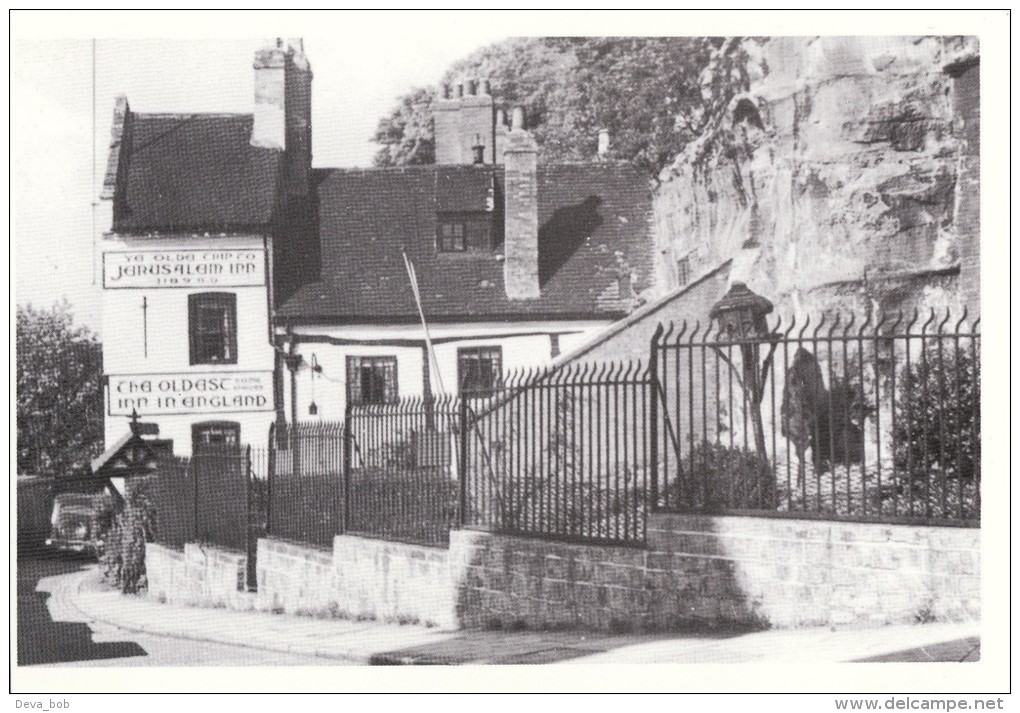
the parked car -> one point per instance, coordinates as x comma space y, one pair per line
81, 521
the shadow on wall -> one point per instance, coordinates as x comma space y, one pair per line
520, 584
561, 235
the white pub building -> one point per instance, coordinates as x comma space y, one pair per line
242, 286
196, 201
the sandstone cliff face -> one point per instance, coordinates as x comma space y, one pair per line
844, 177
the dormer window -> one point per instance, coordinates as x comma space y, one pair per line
463, 232
451, 236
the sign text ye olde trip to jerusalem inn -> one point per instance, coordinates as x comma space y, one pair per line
183, 268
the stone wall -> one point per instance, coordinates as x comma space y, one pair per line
741, 572
525, 583
794, 573
295, 578
393, 581
844, 177
696, 572
201, 575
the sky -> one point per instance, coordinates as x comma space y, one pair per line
361, 60
357, 78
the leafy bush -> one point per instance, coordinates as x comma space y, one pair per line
417, 506
719, 477
938, 415
123, 558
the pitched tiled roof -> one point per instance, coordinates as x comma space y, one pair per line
193, 173
595, 245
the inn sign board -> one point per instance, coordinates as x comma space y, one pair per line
213, 392
135, 269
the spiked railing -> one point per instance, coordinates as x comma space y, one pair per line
403, 469
560, 452
841, 418
305, 493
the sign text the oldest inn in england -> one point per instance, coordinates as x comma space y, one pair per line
215, 392
183, 268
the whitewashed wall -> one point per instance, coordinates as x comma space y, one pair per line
524, 345
167, 358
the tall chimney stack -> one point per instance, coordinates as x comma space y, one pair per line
446, 118
270, 128
283, 110
464, 119
520, 239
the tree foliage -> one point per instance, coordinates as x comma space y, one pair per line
653, 94
59, 391
938, 414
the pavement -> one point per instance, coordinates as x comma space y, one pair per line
53, 633
365, 642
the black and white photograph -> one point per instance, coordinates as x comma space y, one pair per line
516, 341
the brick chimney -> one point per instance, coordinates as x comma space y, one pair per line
446, 118
464, 119
283, 109
520, 239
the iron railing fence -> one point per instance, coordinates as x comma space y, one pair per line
398, 480
560, 453
874, 420
217, 496
258, 508
402, 475
305, 486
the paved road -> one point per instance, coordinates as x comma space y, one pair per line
50, 632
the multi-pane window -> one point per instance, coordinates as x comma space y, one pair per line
451, 236
212, 328
371, 380
461, 232
479, 370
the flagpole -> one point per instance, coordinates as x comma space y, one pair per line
413, 277
430, 348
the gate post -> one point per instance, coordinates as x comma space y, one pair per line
193, 464
462, 464
653, 418
348, 441
251, 539
270, 471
